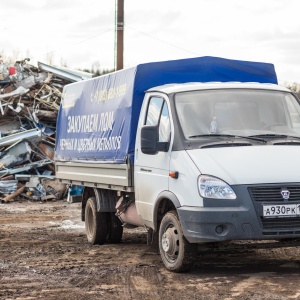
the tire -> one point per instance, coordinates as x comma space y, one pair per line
115, 229
96, 223
177, 254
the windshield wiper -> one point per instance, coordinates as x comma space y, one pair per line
253, 138
275, 136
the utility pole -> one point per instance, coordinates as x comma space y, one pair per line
119, 35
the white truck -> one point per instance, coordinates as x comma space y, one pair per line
198, 150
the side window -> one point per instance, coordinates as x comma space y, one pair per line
164, 125
158, 114
154, 110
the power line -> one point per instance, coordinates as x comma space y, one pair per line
86, 39
93, 36
163, 41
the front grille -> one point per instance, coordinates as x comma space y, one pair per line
271, 193
280, 223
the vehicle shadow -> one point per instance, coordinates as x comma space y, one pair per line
281, 260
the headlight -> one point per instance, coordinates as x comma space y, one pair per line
212, 187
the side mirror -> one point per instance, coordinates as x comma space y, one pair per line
149, 139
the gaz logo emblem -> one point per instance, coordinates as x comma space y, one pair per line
285, 194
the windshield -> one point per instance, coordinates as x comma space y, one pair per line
243, 112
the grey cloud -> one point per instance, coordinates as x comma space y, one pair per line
152, 20
17, 5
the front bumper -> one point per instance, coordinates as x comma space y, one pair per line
240, 219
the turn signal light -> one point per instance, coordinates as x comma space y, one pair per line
174, 174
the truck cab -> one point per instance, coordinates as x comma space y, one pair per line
236, 181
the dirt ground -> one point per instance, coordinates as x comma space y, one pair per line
44, 255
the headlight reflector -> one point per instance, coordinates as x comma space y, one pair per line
213, 187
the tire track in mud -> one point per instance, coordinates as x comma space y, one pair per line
40, 258
143, 281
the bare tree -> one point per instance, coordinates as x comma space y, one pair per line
28, 54
2, 55
16, 54
50, 58
63, 62
96, 68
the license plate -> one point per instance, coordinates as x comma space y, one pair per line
283, 210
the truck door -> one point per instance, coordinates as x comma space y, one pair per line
151, 174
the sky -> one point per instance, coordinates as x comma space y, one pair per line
81, 34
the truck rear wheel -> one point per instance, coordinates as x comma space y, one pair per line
96, 223
177, 254
115, 229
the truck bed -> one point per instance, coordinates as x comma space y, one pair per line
107, 176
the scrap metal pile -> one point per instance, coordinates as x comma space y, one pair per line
29, 102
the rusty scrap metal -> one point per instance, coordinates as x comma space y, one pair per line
14, 194
9, 177
8, 186
23, 135
29, 102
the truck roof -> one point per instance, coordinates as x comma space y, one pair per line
190, 86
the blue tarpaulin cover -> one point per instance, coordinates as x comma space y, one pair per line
98, 117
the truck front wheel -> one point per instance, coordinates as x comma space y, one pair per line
177, 254
96, 223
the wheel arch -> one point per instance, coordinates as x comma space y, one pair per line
105, 199
166, 201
